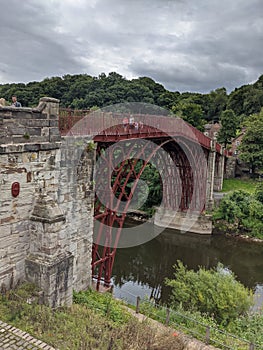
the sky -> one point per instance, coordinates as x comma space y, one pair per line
185, 45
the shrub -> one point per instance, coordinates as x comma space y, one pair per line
243, 210
215, 292
259, 192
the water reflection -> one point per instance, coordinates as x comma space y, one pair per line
141, 270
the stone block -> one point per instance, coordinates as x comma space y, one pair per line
49, 145
36, 123
34, 131
54, 276
53, 123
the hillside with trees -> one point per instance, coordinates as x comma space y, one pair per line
83, 91
240, 108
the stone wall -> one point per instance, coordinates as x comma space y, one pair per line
230, 168
46, 228
76, 199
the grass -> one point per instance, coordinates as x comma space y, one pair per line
239, 184
98, 321
94, 321
195, 324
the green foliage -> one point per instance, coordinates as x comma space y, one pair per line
247, 185
236, 334
82, 91
259, 192
251, 148
191, 112
229, 122
250, 328
217, 103
103, 304
82, 326
243, 210
215, 292
151, 176
246, 100
233, 207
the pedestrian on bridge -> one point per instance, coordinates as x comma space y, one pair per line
15, 103
125, 123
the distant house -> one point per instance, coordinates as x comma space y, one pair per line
236, 142
211, 130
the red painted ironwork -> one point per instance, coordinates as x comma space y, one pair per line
180, 192
104, 251
109, 127
69, 117
185, 187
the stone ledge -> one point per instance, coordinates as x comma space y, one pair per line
28, 147
194, 223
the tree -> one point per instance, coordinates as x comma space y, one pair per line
259, 192
229, 124
217, 103
215, 292
243, 211
251, 148
191, 112
233, 207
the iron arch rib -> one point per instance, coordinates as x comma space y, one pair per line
113, 203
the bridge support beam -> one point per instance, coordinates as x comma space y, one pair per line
219, 171
210, 176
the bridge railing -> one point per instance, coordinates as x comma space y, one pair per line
69, 117
111, 126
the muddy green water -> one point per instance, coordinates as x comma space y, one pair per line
140, 270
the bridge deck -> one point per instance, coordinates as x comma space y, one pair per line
109, 127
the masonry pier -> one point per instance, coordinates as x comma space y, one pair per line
46, 203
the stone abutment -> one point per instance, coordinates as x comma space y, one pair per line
46, 203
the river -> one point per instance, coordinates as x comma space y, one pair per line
141, 270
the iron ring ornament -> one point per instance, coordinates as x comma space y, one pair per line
15, 189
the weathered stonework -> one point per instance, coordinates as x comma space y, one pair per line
181, 221
48, 226
230, 168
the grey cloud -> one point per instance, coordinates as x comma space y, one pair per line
183, 44
31, 49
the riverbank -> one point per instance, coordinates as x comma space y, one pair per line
224, 228
101, 324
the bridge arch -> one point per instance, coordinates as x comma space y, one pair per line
119, 150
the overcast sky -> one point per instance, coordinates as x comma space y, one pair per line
186, 45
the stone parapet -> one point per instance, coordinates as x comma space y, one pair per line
30, 125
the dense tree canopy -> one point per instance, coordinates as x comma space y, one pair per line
83, 91
251, 148
229, 122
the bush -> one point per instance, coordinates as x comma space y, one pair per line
215, 292
250, 328
243, 210
259, 192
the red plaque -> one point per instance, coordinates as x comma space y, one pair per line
15, 189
